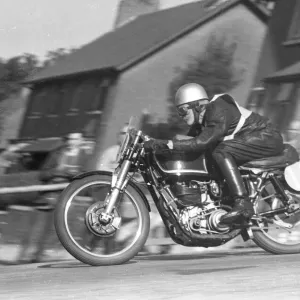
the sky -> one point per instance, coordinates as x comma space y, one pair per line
38, 26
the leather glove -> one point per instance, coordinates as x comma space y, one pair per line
156, 145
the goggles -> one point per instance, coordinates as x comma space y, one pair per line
183, 109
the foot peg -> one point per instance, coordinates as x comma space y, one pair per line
241, 225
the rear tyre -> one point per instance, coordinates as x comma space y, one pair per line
270, 241
273, 247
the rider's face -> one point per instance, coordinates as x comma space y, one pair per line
189, 118
185, 111
201, 116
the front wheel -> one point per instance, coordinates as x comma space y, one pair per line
80, 232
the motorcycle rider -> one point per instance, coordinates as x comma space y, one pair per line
234, 134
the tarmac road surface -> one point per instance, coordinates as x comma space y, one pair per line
238, 274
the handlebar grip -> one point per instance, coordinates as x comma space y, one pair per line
147, 138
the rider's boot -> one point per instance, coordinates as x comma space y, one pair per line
242, 210
240, 214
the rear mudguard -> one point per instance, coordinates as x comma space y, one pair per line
134, 185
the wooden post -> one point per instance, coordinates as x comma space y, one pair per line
33, 188
101, 125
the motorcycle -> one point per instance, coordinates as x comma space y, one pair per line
190, 195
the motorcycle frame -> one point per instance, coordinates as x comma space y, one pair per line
145, 163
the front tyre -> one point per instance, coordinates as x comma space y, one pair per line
87, 245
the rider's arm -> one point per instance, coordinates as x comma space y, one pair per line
182, 137
195, 130
218, 121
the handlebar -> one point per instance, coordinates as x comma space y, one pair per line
144, 137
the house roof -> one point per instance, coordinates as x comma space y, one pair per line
127, 45
288, 73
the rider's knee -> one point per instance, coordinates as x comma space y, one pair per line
219, 153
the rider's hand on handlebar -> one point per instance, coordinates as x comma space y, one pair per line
156, 145
146, 137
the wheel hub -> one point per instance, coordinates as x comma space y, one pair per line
100, 223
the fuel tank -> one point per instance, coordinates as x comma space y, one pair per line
179, 163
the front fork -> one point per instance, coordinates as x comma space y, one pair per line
119, 181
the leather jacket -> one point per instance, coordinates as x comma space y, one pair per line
220, 119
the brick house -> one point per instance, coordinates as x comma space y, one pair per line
276, 90
128, 70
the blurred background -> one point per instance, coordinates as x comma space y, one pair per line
84, 69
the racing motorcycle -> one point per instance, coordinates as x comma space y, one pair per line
103, 218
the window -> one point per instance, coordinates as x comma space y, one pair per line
37, 105
256, 99
284, 104
285, 92
295, 119
294, 31
67, 91
78, 96
88, 96
100, 96
53, 100
91, 93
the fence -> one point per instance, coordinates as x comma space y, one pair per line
31, 228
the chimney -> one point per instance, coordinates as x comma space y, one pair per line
128, 10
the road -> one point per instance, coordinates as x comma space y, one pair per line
239, 274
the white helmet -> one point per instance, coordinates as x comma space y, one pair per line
190, 92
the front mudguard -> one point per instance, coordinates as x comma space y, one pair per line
91, 173
134, 185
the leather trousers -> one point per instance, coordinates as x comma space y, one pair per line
231, 173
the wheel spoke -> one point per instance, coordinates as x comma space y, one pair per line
274, 221
107, 236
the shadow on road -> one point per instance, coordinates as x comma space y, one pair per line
179, 256
73, 264
203, 255
204, 271
249, 252
8, 263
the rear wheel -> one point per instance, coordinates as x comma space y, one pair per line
80, 232
276, 237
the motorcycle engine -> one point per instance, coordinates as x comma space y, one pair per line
195, 192
204, 220
200, 209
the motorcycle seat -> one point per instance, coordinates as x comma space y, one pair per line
288, 157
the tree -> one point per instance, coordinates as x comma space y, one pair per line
30, 63
14, 71
55, 55
213, 68
3, 74
18, 68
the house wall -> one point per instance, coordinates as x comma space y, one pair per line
275, 55
12, 112
145, 86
